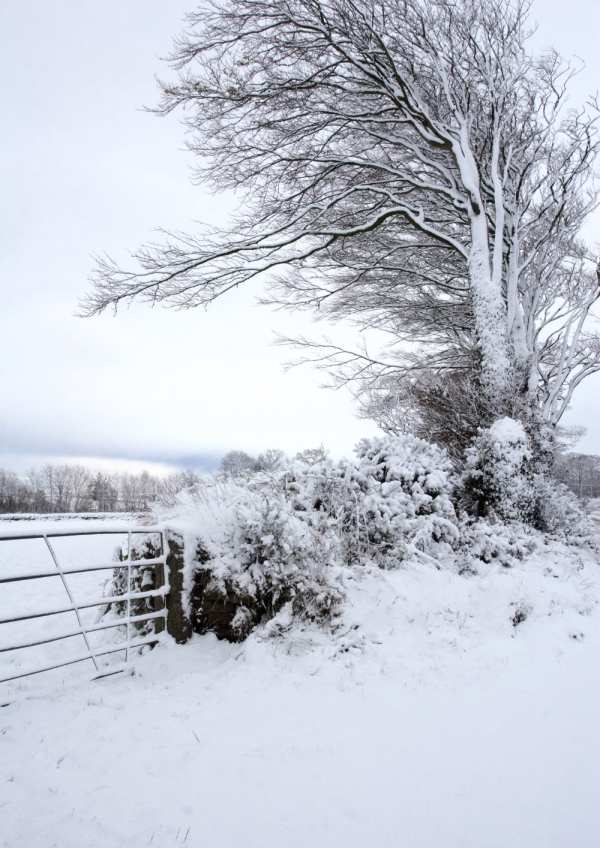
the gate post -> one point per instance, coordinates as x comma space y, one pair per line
179, 625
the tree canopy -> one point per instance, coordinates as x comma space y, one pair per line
409, 165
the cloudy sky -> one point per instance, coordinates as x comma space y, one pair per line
84, 170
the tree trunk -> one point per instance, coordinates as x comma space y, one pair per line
490, 320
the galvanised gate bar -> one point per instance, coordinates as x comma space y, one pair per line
158, 594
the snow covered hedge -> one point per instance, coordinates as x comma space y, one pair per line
405, 505
276, 544
279, 542
269, 560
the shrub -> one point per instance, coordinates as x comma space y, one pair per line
499, 478
485, 542
282, 538
406, 507
143, 579
507, 479
295, 527
269, 558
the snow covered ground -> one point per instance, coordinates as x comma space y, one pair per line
429, 719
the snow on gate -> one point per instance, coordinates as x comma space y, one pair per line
57, 598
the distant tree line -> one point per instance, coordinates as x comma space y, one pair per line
70, 488
580, 472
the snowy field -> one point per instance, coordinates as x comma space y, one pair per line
428, 720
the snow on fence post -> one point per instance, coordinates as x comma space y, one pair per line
178, 624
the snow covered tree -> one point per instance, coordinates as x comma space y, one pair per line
15, 494
237, 462
59, 488
581, 473
103, 493
406, 164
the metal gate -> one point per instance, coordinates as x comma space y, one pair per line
127, 621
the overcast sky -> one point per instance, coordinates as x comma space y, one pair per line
84, 170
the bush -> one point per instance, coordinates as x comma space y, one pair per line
406, 506
507, 479
295, 527
269, 559
561, 514
485, 542
499, 478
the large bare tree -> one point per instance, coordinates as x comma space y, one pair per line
406, 164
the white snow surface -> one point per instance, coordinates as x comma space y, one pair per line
427, 719
508, 430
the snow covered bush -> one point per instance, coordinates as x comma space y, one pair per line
499, 477
284, 537
506, 480
274, 546
405, 484
271, 559
483, 543
392, 501
142, 579
561, 514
